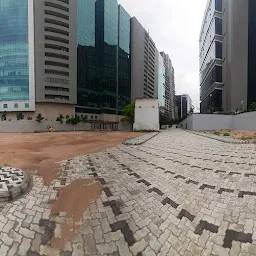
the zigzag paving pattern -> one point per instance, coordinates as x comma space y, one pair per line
177, 194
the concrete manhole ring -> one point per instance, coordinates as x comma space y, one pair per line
13, 183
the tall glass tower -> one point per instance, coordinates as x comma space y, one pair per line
14, 59
103, 57
38, 57
87, 89
106, 44
124, 58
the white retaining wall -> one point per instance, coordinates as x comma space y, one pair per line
245, 121
146, 115
203, 122
32, 126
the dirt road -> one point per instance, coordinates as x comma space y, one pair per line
41, 151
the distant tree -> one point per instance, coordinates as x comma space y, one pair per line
164, 117
74, 120
191, 111
128, 113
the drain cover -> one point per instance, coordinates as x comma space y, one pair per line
13, 183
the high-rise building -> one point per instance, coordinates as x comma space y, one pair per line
227, 56
184, 105
211, 61
87, 87
161, 83
124, 59
103, 57
144, 63
166, 85
106, 51
169, 85
38, 57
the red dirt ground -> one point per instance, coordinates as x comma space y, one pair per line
41, 151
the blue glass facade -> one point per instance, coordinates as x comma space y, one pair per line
106, 44
124, 58
103, 57
87, 87
251, 53
14, 71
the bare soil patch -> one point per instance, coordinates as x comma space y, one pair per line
74, 199
42, 151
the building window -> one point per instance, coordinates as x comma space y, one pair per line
96, 117
56, 30
56, 14
218, 5
56, 72
56, 97
91, 117
5, 105
64, 1
56, 55
218, 26
26, 105
218, 50
16, 105
56, 39
53, 88
56, 63
57, 6
56, 22
56, 80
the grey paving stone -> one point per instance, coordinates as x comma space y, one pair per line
210, 204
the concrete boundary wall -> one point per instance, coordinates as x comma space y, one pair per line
28, 126
209, 122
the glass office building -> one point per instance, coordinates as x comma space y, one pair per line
103, 57
87, 89
106, 44
14, 60
124, 58
251, 90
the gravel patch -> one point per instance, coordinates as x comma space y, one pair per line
220, 138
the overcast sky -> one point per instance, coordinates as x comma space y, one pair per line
174, 26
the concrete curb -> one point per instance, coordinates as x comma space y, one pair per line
218, 138
141, 139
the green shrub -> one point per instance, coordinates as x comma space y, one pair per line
39, 118
226, 134
29, 118
20, 116
216, 133
4, 116
60, 119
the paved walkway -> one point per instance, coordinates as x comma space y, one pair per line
177, 194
